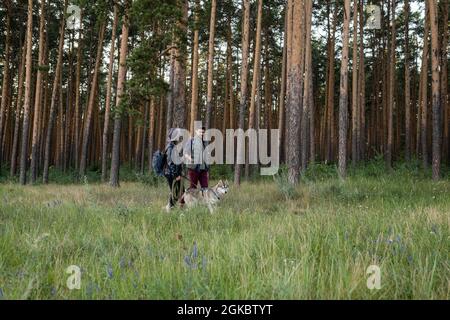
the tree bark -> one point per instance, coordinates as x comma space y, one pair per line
55, 90
18, 109
436, 87
391, 102
244, 78
37, 100
195, 58
255, 80
179, 85
92, 96
115, 162
343, 94
5, 83
407, 86
295, 82
355, 89
108, 96
27, 100
212, 29
424, 91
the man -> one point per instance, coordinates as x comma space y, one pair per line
173, 169
197, 166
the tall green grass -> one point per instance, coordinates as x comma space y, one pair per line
315, 243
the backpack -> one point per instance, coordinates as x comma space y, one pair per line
159, 163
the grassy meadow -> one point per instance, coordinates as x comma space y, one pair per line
265, 241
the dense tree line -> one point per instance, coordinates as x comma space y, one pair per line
99, 88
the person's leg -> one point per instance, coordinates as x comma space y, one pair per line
170, 183
204, 177
193, 176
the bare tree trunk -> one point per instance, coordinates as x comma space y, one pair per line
295, 82
436, 87
5, 83
194, 89
37, 100
362, 87
90, 108
144, 132
212, 29
391, 102
307, 97
179, 85
407, 87
151, 133
77, 95
424, 90
255, 79
444, 81
343, 95
244, 78
355, 89
115, 162
27, 100
108, 96
330, 149
18, 113
282, 99
56, 87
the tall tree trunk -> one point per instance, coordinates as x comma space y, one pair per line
27, 100
444, 82
295, 82
179, 87
195, 58
18, 109
255, 80
144, 137
343, 94
407, 87
307, 97
78, 94
5, 83
244, 79
355, 89
108, 96
212, 28
282, 98
331, 140
362, 87
151, 132
229, 98
115, 162
391, 102
436, 87
92, 96
37, 100
55, 90
424, 91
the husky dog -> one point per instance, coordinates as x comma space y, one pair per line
209, 196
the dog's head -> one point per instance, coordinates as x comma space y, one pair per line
222, 187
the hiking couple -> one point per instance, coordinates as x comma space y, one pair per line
195, 163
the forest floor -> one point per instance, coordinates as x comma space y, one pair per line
265, 241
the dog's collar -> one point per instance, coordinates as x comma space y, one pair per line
215, 193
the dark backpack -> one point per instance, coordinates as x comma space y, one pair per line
159, 163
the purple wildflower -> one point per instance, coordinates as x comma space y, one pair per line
109, 271
187, 260
195, 251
